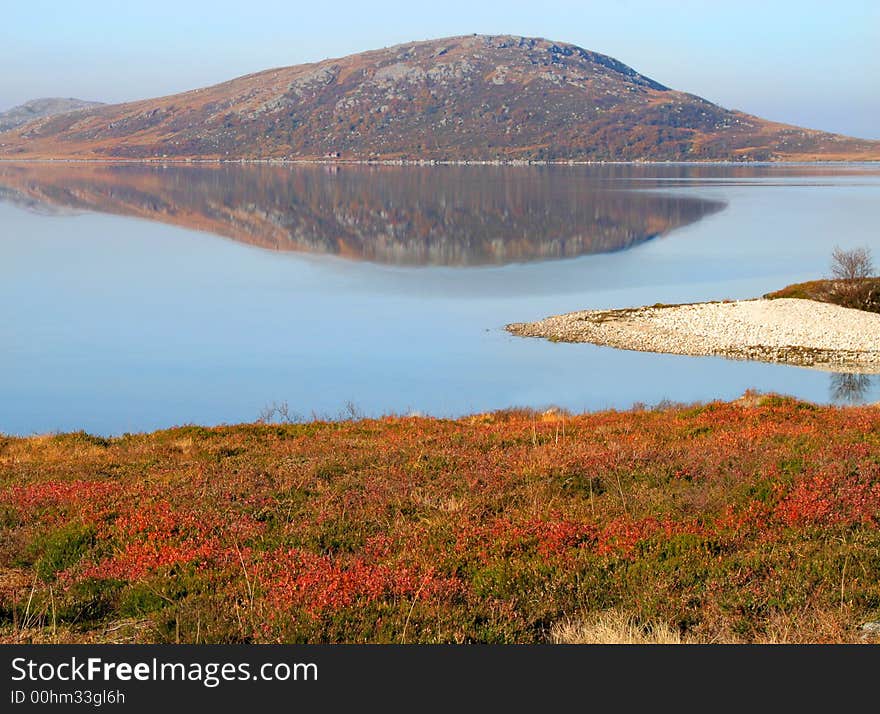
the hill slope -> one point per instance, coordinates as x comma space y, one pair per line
39, 108
472, 97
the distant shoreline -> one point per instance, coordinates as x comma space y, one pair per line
798, 332
434, 162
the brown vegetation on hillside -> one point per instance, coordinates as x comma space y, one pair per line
472, 97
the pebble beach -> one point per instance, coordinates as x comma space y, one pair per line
785, 330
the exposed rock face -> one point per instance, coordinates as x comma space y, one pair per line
39, 108
473, 97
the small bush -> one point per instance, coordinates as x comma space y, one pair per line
88, 601
62, 549
859, 294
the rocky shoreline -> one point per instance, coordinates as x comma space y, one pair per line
787, 331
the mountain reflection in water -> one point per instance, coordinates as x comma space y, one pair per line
440, 216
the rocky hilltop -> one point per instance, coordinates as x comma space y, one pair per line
461, 98
39, 108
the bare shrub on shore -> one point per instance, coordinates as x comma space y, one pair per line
853, 264
851, 271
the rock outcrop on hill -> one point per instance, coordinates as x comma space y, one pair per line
40, 108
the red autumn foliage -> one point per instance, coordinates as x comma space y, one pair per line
728, 518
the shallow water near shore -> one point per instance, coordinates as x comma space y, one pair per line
140, 297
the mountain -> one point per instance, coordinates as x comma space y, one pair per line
460, 216
39, 108
473, 97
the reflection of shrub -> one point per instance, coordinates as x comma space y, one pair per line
850, 388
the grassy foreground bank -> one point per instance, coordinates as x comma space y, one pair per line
750, 521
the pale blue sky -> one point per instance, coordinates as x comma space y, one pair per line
801, 61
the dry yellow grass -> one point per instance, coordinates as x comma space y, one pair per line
618, 627
615, 627
122, 632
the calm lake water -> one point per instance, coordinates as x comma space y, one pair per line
137, 297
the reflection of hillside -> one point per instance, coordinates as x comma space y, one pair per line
399, 215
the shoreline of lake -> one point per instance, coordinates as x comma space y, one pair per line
790, 331
223, 288
427, 162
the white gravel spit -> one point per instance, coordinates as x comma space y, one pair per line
785, 330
